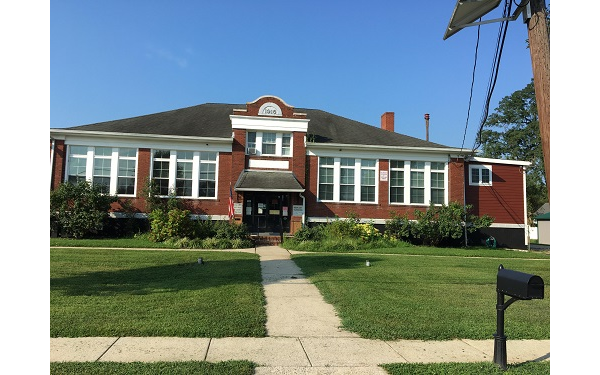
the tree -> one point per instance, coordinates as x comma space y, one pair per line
79, 210
512, 132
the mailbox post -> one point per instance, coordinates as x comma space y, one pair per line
519, 286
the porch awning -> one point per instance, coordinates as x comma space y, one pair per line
268, 181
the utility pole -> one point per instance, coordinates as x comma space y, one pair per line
539, 47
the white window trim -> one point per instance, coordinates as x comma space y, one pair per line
357, 181
427, 175
360, 185
403, 170
278, 144
480, 167
195, 173
114, 166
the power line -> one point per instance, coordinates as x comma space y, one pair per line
494, 73
472, 84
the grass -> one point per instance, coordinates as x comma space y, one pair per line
100, 292
408, 249
152, 368
141, 242
446, 294
478, 368
248, 368
425, 297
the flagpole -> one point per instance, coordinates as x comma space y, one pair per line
230, 206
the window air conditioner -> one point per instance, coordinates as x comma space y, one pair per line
251, 151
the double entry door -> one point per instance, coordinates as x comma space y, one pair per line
267, 212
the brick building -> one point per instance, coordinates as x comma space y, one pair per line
285, 167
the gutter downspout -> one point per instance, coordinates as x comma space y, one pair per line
527, 239
52, 160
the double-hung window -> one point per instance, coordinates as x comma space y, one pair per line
347, 167
326, 169
208, 175
286, 144
347, 180
189, 174
113, 169
269, 143
437, 183
126, 174
102, 164
396, 181
160, 170
184, 179
367, 180
417, 182
480, 175
77, 161
251, 143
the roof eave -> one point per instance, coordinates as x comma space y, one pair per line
498, 161
442, 150
274, 190
62, 133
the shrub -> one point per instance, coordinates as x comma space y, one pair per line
397, 227
211, 243
367, 232
79, 210
154, 201
230, 231
306, 233
169, 224
205, 228
443, 223
238, 243
343, 228
177, 242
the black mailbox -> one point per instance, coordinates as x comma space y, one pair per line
519, 284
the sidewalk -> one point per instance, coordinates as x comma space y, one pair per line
303, 337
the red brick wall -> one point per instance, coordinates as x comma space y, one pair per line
298, 162
305, 169
381, 210
238, 163
58, 169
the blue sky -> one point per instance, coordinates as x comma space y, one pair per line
117, 59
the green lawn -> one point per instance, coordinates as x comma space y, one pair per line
441, 295
425, 297
99, 292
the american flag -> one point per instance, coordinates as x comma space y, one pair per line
230, 202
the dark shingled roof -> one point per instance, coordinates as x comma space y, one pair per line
268, 181
212, 120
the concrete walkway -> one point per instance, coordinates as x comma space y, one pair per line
303, 337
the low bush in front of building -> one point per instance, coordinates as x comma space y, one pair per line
176, 228
438, 226
341, 235
79, 210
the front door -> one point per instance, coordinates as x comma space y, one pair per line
266, 212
